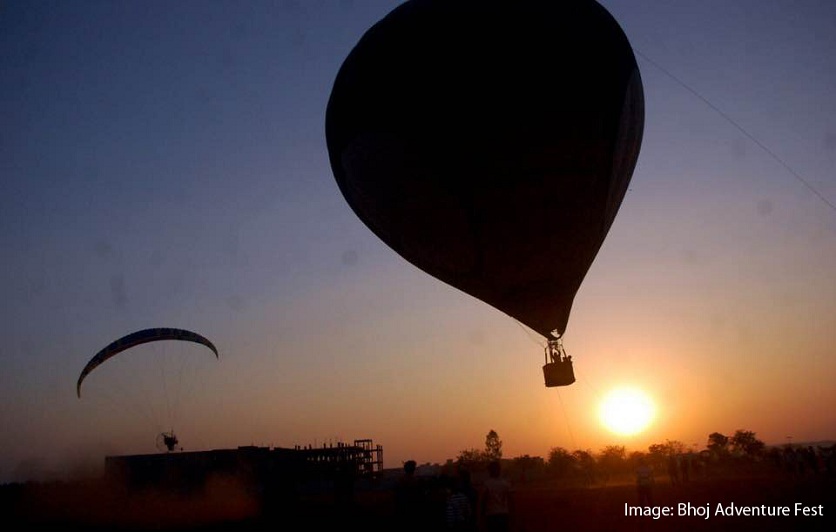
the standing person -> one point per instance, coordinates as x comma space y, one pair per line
459, 511
644, 483
466, 485
410, 499
673, 469
685, 468
497, 500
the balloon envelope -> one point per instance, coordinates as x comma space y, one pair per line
490, 143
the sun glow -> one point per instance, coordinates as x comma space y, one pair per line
626, 411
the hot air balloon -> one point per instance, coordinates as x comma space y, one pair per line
490, 143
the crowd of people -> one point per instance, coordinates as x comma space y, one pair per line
453, 502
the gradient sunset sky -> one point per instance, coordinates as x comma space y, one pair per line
163, 164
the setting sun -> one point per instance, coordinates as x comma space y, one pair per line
626, 411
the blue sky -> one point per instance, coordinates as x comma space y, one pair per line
164, 164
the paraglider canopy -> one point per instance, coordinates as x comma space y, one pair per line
138, 338
490, 143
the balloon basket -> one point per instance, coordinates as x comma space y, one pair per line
559, 373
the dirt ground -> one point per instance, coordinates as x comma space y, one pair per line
603, 508
540, 506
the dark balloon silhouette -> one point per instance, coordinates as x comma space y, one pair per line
490, 144
137, 338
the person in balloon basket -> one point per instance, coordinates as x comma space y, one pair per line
497, 500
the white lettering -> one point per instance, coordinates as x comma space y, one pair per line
687, 509
655, 512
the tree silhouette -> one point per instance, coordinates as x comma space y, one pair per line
526, 464
470, 458
493, 446
635, 457
585, 462
718, 443
659, 452
583, 457
612, 458
745, 442
560, 461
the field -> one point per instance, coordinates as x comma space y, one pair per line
541, 505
